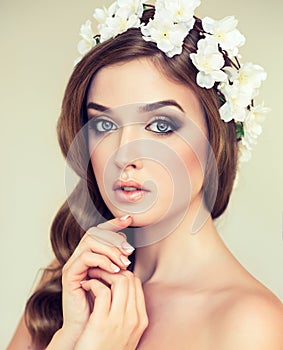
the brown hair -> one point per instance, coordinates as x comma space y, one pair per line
43, 312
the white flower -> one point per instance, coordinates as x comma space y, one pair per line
252, 130
87, 42
159, 6
133, 6
167, 35
248, 77
231, 110
209, 61
236, 103
259, 112
225, 32
245, 83
171, 24
252, 125
118, 18
244, 153
180, 11
119, 24
101, 15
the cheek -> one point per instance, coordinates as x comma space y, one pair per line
99, 153
161, 176
97, 166
193, 162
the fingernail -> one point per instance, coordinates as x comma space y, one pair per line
82, 282
125, 217
126, 246
122, 234
125, 260
115, 268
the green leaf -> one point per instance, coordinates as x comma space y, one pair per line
221, 98
240, 131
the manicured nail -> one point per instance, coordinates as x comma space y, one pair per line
125, 217
127, 247
124, 260
115, 268
122, 234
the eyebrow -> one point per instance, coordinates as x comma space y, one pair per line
149, 107
97, 106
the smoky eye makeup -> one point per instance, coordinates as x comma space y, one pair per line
160, 121
101, 124
163, 124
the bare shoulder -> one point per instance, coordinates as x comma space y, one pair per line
21, 339
249, 319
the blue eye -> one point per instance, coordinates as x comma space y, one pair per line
101, 126
162, 125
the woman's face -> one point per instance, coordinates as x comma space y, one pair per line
146, 143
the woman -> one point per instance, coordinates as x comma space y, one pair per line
134, 125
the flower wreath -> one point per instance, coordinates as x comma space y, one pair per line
237, 84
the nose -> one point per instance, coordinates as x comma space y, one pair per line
129, 152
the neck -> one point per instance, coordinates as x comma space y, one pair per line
182, 255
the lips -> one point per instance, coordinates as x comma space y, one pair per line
129, 191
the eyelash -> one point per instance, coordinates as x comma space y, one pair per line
97, 123
163, 119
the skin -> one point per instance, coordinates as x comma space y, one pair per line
186, 291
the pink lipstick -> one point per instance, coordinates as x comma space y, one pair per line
128, 191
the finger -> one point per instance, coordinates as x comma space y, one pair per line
90, 243
77, 271
122, 234
102, 296
116, 224
119, 285
117, 239
131, 306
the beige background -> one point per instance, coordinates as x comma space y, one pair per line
38, 46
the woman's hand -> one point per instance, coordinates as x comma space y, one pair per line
101, 247
119, 316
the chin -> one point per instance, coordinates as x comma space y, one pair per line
139, 220
146, 219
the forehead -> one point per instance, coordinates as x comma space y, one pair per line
140, 81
